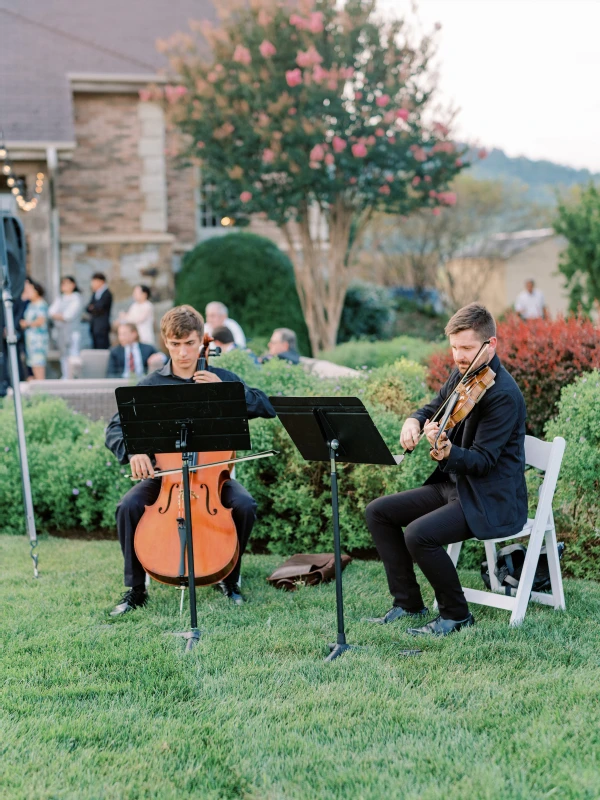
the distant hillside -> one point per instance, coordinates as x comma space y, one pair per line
543, 178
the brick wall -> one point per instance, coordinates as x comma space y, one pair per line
181, 195
98, 191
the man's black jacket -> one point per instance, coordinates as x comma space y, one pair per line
489, 463
99, 311
257, 402
116, 359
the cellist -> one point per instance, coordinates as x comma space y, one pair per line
182, 329
478, 489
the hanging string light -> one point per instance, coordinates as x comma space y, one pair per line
15, 184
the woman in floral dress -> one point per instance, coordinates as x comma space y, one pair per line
35, 325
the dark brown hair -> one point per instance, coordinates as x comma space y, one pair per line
472, 317
181, 321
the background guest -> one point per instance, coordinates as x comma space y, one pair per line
283, 344
141, 314
130, 356
223, 338
530, 303
66, 312
35, 325
99, 310
217, 315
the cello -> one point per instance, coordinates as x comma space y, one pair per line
160, 536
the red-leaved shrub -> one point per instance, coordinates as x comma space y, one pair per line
542, 356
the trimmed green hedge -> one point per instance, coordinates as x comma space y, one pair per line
362, 353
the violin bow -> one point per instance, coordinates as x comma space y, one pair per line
263, 454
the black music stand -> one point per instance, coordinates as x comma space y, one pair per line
187, 419
334, 429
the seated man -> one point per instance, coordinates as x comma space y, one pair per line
478, 488
130, 357
217, 314
182, 329
223, 338
283, 344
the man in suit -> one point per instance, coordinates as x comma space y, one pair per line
99, 310
477, 490
130, 356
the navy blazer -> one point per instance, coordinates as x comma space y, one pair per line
116, 359
489, 464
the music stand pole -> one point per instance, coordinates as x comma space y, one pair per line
193, 636
341, 645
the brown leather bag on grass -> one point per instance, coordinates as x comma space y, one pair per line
309, 569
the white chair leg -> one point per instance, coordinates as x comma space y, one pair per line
556, 583
527, 575
491, 556
454, 551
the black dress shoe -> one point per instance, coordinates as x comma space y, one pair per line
397, 612
442, 627
231, 590
133, 598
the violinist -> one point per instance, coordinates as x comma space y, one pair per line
477, 490
182, 329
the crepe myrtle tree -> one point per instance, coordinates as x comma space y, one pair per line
312, 115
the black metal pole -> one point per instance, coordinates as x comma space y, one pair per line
341, 646
194, 635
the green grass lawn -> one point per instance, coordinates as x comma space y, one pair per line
93, 709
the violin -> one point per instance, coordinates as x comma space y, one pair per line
458, 405
160, 537
461, 402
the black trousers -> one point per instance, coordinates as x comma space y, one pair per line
100, 339
131, 508
411, 527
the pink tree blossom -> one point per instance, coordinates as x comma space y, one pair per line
416, 180
402, 113
145, 95
315, 22
319, 74
379, 132
447, 198
264, 18
330, 159
268, 156
385, 189
436, 211
317, 153
482, 153
382, 100
293, 77
309, 58
359, 150
339, 144
245, 197
242, 55
267, 49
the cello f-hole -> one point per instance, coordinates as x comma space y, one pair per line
214, 511
164, 510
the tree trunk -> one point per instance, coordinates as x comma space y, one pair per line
320, 249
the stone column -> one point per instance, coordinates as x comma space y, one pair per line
151, 150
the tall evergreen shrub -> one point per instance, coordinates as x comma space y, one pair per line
254, 279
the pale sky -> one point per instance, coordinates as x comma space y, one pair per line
524, 74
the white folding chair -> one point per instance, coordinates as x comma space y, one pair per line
545, 456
